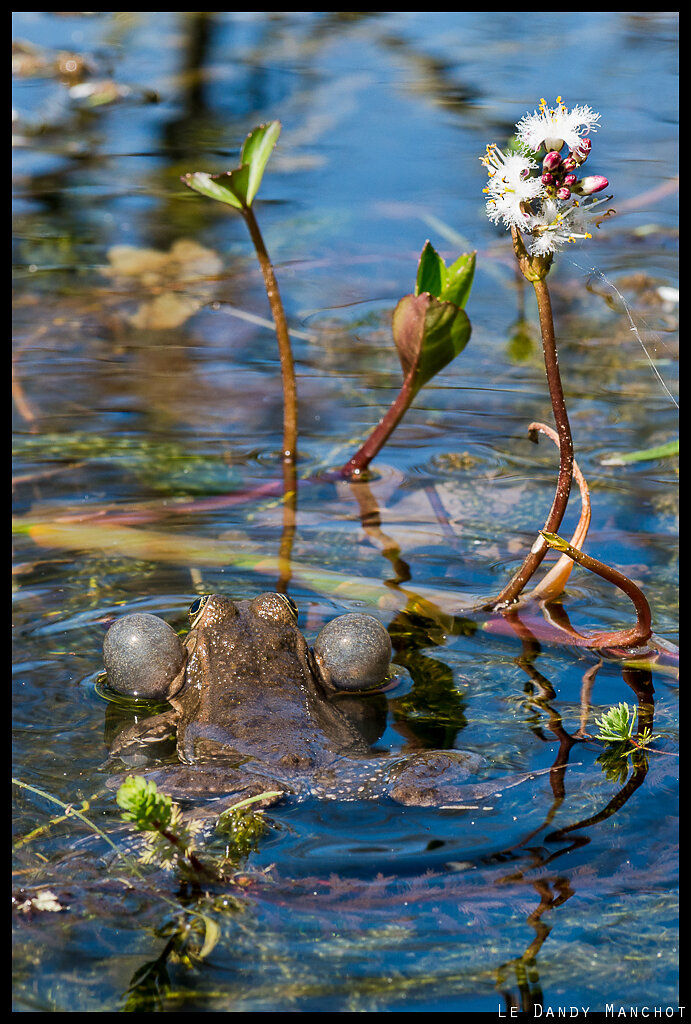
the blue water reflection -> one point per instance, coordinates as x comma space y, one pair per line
384, 114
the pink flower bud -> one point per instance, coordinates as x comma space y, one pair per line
563, 193
581, 151
594, 183
570, 179
570, 164
547, 178
551, 161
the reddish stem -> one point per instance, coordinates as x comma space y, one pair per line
290, 416
538, 551
386, 426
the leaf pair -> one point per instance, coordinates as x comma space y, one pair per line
430, 327
448, 284
238, 187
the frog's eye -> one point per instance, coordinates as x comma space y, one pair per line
294, 611
196, 609
275, 608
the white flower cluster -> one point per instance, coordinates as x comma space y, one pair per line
520, 196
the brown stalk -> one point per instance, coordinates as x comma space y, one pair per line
637, 635
555, 580
535, 270
290, 408
381, 433
290, 429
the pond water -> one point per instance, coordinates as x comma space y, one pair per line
147, 434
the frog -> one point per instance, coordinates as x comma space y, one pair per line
255, 710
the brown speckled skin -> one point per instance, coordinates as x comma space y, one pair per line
253, 715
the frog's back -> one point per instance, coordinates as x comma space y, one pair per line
261, 701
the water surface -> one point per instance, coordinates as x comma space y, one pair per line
135, 389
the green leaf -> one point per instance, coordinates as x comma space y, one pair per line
217, 186
661, 451
616, 724
237, 188
428, 335
448, 284
431, 272
459, 280
447, 332
257, 149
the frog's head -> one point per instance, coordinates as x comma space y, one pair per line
144, 657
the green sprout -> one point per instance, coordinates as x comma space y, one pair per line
169, 840
238, 188
448, 284
430, 328
168, 843
617, 726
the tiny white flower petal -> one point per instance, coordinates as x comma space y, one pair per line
558, 223
555, 124
510, 184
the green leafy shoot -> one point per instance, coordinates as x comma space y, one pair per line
168, 843
448, 284
430, 328
617, 726
143, 805
239, 186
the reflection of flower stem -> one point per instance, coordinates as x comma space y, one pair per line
284, 349
633, 637
290, 499
535, 269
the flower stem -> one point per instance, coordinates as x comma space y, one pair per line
536, 274
284, 348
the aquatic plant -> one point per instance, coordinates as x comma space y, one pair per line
169, 839
617, 726
168, 843
238, 188
536, 192
430, 328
